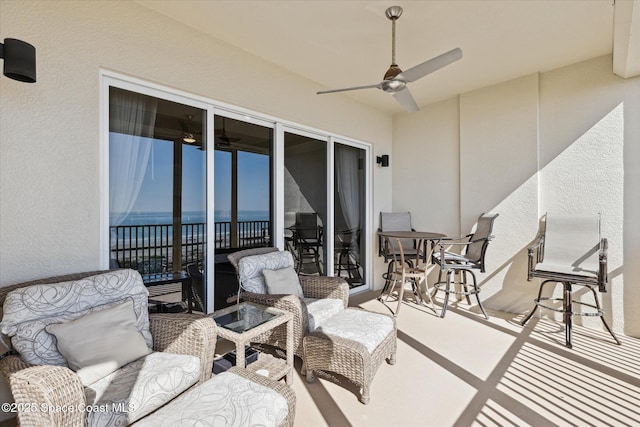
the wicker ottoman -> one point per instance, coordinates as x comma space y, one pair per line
352, 343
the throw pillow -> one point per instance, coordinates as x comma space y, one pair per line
101, 342
283, 281
250, 269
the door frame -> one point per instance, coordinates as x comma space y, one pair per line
214, 107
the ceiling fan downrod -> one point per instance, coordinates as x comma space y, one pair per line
393, 13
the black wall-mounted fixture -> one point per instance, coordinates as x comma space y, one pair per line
19, 60
383, 160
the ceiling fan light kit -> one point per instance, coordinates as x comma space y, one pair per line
188, 138
395, 80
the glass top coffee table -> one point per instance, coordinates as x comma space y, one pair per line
242, 322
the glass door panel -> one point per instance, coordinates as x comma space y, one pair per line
243, 196
350, 214
305, 202
157, 189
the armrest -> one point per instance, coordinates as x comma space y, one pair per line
191, 334
290, 303
381, 245
323, 287
39, 390
455, 239
535, 249
603, 274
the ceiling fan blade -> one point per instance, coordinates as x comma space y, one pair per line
428, 67
405, 99
348, 88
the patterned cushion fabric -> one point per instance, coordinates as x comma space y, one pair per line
365, 327
250, 269
100, 342
140, 388
320, 310
27, 311
225, 400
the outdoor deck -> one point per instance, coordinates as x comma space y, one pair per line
463, 370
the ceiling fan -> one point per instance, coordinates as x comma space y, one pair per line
223, 139
395, 80
189, 134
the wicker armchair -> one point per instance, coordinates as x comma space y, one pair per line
319, 287
59, 386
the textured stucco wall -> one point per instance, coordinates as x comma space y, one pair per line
49, 131
564, 141
589, 124
498, 151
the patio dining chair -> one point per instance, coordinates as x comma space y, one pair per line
570, 251
307, 241
388, 249
347, 248
468, 254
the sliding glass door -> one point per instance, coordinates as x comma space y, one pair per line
243, 196
187, 182
157, 188
305, 202
350, 213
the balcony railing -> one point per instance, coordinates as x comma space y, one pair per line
149, 248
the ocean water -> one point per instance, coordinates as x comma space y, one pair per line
158, 226
191, 217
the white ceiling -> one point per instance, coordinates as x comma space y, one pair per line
347, 43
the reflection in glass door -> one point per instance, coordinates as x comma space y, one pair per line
305, 202
350, 214
157, 190
243, 196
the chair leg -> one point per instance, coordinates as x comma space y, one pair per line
604, 322
426, 291
435, 290
475, 287
387, 281
364, 397
535, 305
463, 280
299, 265
566, 302
446, 293
400, 296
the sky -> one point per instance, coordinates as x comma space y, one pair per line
157, 188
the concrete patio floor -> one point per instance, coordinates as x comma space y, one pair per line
463, 370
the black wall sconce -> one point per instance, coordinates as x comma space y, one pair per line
383, 160
19, 60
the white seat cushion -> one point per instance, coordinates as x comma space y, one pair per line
140, 388
565, 269
320, 310
225, 400
364, 327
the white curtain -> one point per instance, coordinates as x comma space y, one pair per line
132, 119
348, 185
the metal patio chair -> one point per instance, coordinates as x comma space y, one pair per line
570, 251
473, 248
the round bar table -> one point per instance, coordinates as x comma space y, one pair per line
421, 239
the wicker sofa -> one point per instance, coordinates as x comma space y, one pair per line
180, 354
